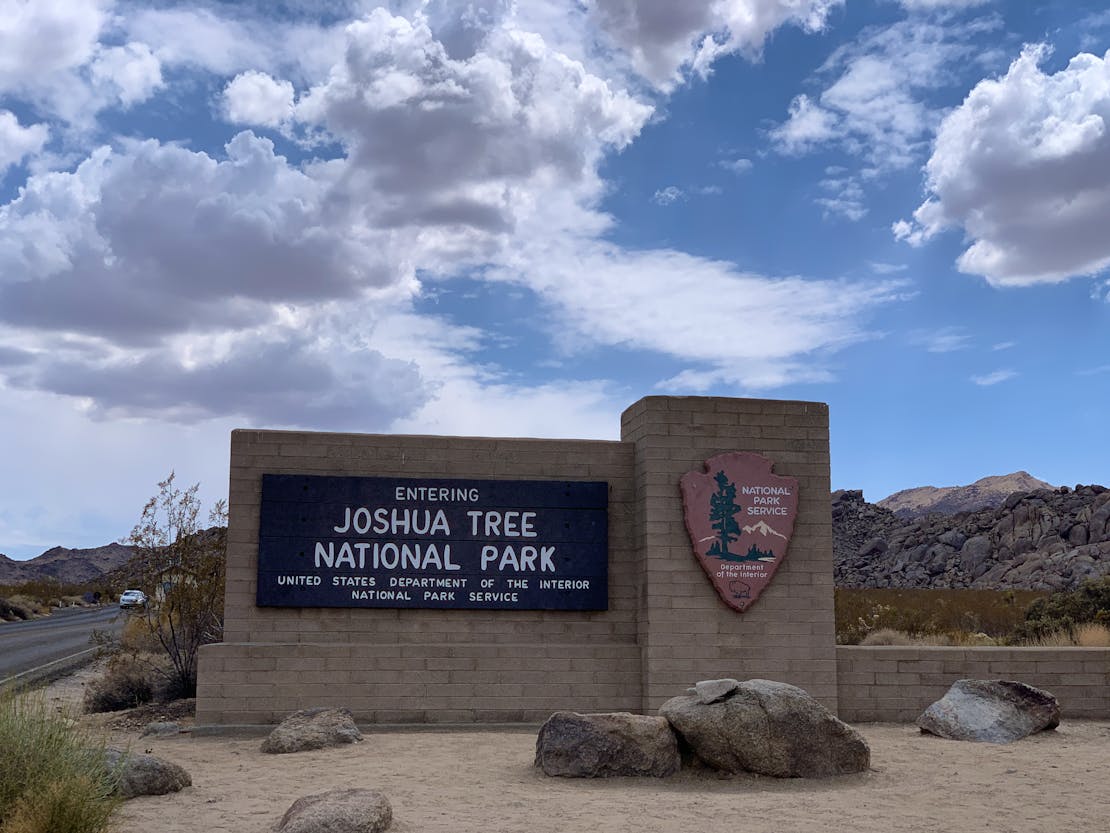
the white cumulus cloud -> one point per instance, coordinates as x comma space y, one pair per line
255, 98
130, 73
18, 142
1023, 167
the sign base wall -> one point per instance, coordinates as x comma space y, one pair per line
664, 628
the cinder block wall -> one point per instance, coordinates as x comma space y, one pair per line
687, 632
665, 627
421, 665
898, 684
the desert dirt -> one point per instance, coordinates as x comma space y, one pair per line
484, 781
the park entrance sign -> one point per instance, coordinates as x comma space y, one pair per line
436, 579
740, 518
432, 543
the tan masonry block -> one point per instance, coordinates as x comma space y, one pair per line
654, 587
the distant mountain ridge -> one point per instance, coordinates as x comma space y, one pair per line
986, 493
68, 566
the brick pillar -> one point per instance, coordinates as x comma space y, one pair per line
686, 632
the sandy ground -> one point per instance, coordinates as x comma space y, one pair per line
484, 781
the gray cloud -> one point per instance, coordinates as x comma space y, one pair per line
662, 37
175, 241
269, 383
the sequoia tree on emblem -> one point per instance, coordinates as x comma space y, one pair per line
740, 518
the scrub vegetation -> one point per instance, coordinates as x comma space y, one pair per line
36, 598
54, 777
181, 568
935, 617
1078, 617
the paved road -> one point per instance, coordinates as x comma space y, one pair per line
32, 644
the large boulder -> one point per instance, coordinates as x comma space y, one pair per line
993, 711
768, 728
602, 745
146, 774
338, 811
312, 729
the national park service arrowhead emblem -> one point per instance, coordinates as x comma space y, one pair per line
740, 518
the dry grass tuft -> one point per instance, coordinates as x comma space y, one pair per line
54, 778
1089, 635
890, 636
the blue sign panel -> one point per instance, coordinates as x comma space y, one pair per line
433, 543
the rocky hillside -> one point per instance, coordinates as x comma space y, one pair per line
988, 493
1044, 539
65, 565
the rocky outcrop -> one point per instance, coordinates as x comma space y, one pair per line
312, 729
859, 527
992, 711
986, 493
765, 727
603, 745
146, 774
338, 811
1048, 539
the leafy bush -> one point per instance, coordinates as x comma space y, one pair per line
1066, 610
183, 568
53, 777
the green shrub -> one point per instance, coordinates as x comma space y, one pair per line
1066, 610
54, 778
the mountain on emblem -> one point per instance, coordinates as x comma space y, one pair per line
740, 518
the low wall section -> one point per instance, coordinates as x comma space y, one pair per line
898, 684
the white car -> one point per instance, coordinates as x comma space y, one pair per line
132, 598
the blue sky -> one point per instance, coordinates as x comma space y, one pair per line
516, 219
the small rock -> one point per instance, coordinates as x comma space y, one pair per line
991, 711
603, 745
711, 691
338, 811
146, 774
312, 729
159, 729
